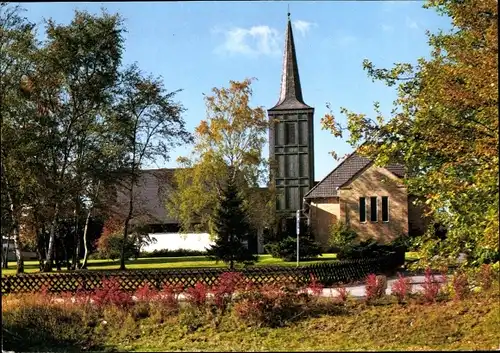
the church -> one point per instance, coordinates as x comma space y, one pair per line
371, 199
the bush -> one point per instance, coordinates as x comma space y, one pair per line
401, 288
370, 249
109, 246
460, 284
111, 294
197, 295
343, 294
315, 287
270, 305
168, 299
342, 237
375, 287
485, 276
226, 285
287, 249
173, 253
430, 287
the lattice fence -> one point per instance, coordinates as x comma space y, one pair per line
327, 274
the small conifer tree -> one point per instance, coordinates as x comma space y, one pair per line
231, 228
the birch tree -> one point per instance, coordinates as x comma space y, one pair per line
149, 123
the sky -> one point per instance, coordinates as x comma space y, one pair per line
196, 46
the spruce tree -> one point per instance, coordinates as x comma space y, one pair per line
232, 229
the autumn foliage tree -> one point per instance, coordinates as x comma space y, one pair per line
444, 129
230, 140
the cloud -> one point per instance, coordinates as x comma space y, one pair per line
303, 26
387, 28
253, 41
411, 23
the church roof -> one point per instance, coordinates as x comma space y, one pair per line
291, 92
343, 173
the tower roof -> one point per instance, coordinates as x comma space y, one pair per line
291, 92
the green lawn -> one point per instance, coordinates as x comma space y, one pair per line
167, 262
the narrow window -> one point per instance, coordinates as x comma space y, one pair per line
362, 210
373, 208
290, 134
385, 209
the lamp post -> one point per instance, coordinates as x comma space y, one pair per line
297, 214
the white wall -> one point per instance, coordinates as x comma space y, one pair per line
173, 241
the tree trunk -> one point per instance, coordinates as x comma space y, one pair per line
75, 238
127, 222
50, 251
40, 245
17, 250
5, 259
85, 229
15, 224
125, 236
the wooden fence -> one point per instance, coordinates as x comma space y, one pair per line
327, 274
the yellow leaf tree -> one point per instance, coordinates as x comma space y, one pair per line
228, 143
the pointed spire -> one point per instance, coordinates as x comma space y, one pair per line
291, 92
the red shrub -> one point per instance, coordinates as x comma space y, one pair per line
343, 293
226, 285
485, 276
460, 285
44, 296
169, 296
375, 287
401, 288
430, 287
82, 296
146, 293
197, 295
110, 293
269, 305
315, 287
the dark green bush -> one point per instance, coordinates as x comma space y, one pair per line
287, 249
370, 249
342, 237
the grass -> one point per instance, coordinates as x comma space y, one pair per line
468, 325
471, 324
167, 262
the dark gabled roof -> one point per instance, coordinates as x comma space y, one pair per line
343, 173
291, 91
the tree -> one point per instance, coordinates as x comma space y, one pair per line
75, 72
231, 228
17, 44
230, 139
148, 124
444, 129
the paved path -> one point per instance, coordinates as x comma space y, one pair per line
358, 291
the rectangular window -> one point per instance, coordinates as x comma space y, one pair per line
385, 209
373, 208
290, 134
362, 210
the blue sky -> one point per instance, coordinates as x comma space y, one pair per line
195, 46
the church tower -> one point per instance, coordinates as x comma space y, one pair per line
291, 137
